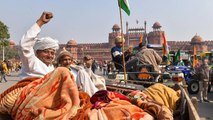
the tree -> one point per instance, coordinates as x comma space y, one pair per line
11, 53
4, 36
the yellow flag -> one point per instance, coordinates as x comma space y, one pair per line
195, 60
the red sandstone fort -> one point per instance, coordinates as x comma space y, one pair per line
101, 51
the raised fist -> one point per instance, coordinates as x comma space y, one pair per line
45, 18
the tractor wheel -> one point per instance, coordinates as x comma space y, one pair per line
193, 87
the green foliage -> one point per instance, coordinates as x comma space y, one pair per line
4, 42
11, 53
4, 35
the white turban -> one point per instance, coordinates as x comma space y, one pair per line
45, 43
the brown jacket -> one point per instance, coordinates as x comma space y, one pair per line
149, 56
203, 72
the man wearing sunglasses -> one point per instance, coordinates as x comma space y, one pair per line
37, 54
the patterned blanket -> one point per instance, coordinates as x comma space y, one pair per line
55, 96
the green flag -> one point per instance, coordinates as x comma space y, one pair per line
177, 56
168, 58
124, 4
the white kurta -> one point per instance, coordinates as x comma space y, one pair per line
83, 80
99, 81
31, 65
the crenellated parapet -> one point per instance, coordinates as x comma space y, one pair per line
136, 30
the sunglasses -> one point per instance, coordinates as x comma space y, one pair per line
51, 52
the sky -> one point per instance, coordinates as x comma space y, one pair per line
90, 21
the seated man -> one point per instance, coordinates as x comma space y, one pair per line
87, 60
117, 56
149, 56
82, 78
99, 81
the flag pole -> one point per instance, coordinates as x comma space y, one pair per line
122, 37
195, 60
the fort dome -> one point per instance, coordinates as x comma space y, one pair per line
156, 25
115, 26
196, 39
12, 42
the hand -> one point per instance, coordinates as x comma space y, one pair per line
129, 50
45, 18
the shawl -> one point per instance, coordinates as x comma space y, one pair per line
55, 96
9, 96
163, 95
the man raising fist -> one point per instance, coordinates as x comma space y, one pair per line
37, 54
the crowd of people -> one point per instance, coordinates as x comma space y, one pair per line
63, 90
6, 67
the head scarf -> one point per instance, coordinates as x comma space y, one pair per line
45, 43
119, 39
62, 54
